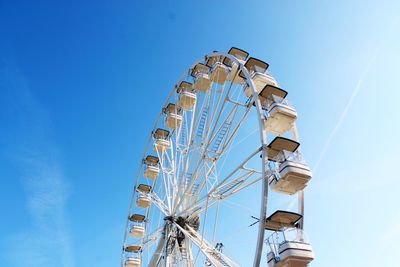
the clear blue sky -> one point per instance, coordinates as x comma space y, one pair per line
81, 83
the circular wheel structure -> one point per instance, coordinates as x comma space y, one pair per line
204, 170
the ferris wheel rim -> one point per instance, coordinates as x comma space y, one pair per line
263, 140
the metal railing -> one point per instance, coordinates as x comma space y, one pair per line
276, 239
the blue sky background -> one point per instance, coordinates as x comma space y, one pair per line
81, 83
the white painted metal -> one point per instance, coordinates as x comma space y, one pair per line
301, 192
151, 172
155, 259
187, 100
233, 74
143, 200
292, 177
173, 120
296, 254
260, 81
219, 73
160, 145
280, 118
137, 231
293, 250
187, 97
202, 82
132, 262
217, 259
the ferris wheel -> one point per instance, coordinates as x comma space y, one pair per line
204, 169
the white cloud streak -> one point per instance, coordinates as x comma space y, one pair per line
392, 28
46, 242
345, 111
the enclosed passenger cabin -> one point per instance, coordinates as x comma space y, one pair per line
161, 140
289, 248
288, 172
218, 70
133, 259
187, 96
143, 198
242, 56
137, 223
258, 73
202, 81
279, 115
173, 117
151, 167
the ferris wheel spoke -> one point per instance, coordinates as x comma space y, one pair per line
184, 154
165, 179
219, 137
238, 179
239, 167
205, 143
151, 237
213, 119
243, 185
203, 117
228, 106
155, 259
190, 158
222, 192
234, 132
216, 257
215, 158
156, 200
221, 131
169, 176
211, 131
228, 180
182, 137
189, 256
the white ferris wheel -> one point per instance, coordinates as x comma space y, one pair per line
204, 169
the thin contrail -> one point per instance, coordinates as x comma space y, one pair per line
338, 124
355, 92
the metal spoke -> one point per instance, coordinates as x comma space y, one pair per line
214, 198
158, 252
215, 158
217, 258
152, 237
155, 199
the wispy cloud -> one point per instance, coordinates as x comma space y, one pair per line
339, 122
380, 45
47, 240
345, 111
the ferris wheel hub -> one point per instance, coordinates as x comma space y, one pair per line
183, 221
